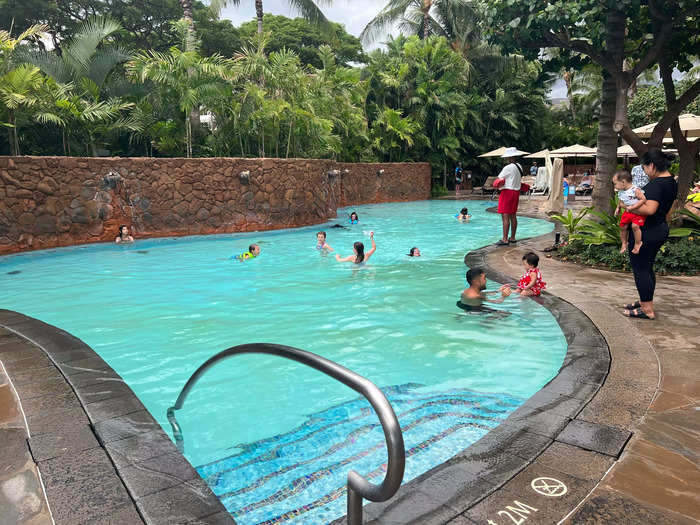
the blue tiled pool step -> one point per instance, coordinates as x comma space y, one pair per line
300, 476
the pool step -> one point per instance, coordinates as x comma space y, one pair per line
300, 476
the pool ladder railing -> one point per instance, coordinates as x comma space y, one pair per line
358, 486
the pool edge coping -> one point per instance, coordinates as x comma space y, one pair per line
452, 488
508, 433
139, 452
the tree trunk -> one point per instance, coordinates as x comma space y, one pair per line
606, 160
568, 80
187, 12
687, 151
14, 139
427, 4
259, 15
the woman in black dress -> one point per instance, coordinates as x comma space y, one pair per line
661, 192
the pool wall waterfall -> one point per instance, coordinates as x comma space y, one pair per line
47, 202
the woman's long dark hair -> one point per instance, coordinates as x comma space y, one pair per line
661, 161
356, 217
360, 249
121, 232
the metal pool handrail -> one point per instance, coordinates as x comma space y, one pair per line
358, 487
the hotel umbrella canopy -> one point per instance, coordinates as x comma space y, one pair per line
495, 153
539, 155
690, 126
577, 150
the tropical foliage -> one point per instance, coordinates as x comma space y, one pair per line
418, 99
571, 221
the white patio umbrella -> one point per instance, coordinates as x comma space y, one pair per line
495, 153
542, 154
576, 150
690, 126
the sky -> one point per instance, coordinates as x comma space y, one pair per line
353, 14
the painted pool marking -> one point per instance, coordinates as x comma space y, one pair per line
550, 487
521, 510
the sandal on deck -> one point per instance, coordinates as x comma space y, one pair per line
501, 243
633, 306
638, 313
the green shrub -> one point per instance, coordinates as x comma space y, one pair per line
691, 225
438, 191
571, 221
677, 256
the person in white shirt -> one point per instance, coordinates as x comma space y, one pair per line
508, 200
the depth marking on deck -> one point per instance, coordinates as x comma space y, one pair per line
550, 487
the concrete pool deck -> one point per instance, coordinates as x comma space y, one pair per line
564, 455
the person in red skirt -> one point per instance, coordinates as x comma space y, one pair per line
508, 200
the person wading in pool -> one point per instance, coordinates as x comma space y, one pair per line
123, 236
473, 298
358, 249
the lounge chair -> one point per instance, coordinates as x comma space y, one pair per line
584, 191
530, 181
487, 188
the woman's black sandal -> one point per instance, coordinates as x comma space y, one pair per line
633, 306
638, 313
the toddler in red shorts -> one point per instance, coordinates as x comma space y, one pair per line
630, 198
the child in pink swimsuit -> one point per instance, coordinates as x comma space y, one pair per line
531, 283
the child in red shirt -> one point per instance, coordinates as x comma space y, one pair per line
531, 283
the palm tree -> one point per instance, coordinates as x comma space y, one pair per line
84, 57
18, 89
83, 65
420, 17
190, 77
307, 8
19, 83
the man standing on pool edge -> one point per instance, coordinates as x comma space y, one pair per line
508, 200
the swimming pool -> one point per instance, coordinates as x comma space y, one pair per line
275, 440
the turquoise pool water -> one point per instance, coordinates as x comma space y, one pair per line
275, 440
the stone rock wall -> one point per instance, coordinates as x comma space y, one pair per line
47, 202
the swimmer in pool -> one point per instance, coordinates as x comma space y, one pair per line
321, 244
358, 249
252, 253
473, 298
123, 236
354, 219
414, 252
463, 215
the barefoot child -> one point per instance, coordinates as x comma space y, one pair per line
631, 198
531, 283
321, 244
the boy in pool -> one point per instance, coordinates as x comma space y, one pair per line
631, 197
252, 253
473, 298
321, 244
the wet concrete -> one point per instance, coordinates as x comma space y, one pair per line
652, 390
22, 499
102, 457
